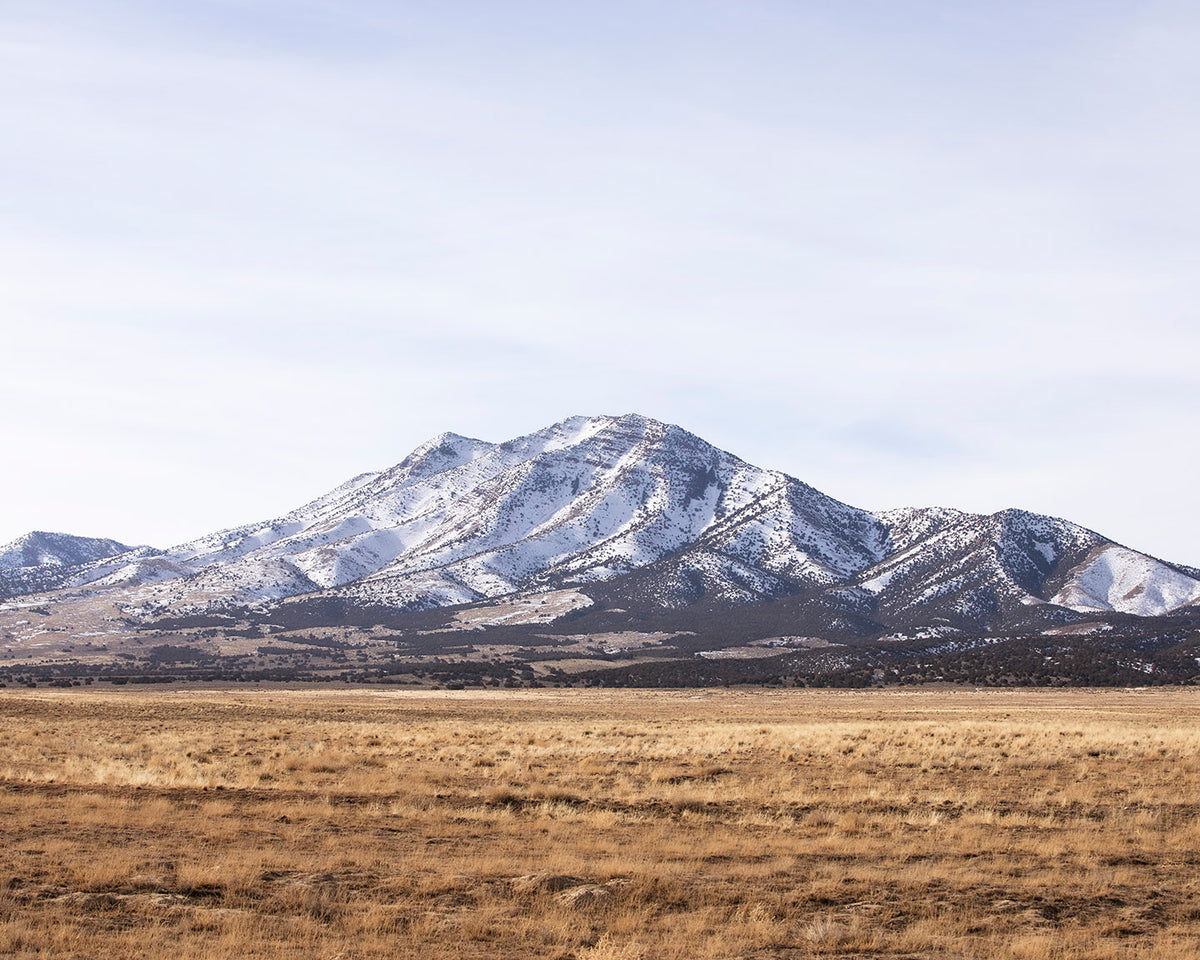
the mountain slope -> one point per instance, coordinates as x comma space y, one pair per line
1116, 578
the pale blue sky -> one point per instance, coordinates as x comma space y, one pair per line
909, 252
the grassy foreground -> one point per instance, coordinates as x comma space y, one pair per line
600, 825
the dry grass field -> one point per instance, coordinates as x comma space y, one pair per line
598, 826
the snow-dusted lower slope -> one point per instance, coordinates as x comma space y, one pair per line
1116, 578
592, 500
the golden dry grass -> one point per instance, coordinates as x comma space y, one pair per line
600, 826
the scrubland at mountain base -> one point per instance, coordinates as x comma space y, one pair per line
600, 824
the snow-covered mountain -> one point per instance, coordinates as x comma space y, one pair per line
40, 548
638, 505
42, 561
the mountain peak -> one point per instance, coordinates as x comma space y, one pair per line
619, 431
446, 437
444, 452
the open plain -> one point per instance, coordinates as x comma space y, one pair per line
272, 823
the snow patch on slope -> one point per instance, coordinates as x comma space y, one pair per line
1116, 578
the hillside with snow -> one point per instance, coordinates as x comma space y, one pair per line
40, 548
41, 561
